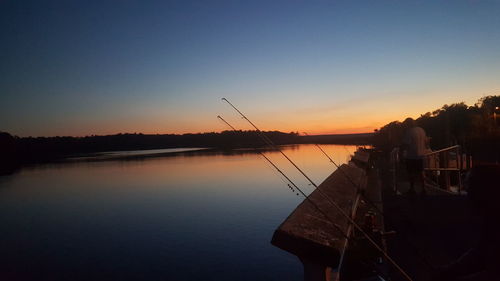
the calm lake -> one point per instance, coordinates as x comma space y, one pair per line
194, 215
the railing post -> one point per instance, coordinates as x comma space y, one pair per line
444, 176
459, 167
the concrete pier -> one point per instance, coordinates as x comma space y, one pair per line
316, 230
419, 232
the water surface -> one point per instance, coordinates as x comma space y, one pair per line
186, 216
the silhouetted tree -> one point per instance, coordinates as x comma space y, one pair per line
473, 127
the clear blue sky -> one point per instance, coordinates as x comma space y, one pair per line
97, 67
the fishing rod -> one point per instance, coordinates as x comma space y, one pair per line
359, 192
349, 230
291, 182
416, 250
358, 188
342, 212
342, 171
321, 149
269, 142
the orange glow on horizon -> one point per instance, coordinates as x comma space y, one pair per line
362, 117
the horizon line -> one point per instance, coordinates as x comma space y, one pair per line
179, 134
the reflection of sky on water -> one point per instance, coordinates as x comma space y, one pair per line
207, 217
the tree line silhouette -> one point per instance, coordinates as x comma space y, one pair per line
20, 150
475, 128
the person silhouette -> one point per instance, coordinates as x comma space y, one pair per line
414, 149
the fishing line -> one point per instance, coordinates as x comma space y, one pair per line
282, 179
417, 252
346, 236
292, 183
269, 142
358, 188
342, 212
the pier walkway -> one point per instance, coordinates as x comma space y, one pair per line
430, 230
420, 233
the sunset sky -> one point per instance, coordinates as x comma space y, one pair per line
102, 67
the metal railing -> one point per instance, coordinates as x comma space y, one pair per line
446, 162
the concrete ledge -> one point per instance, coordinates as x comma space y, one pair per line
314, 235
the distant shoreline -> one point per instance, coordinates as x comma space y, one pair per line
28, 150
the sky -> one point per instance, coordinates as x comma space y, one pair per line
80, 68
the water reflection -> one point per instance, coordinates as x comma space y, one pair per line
193, 215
